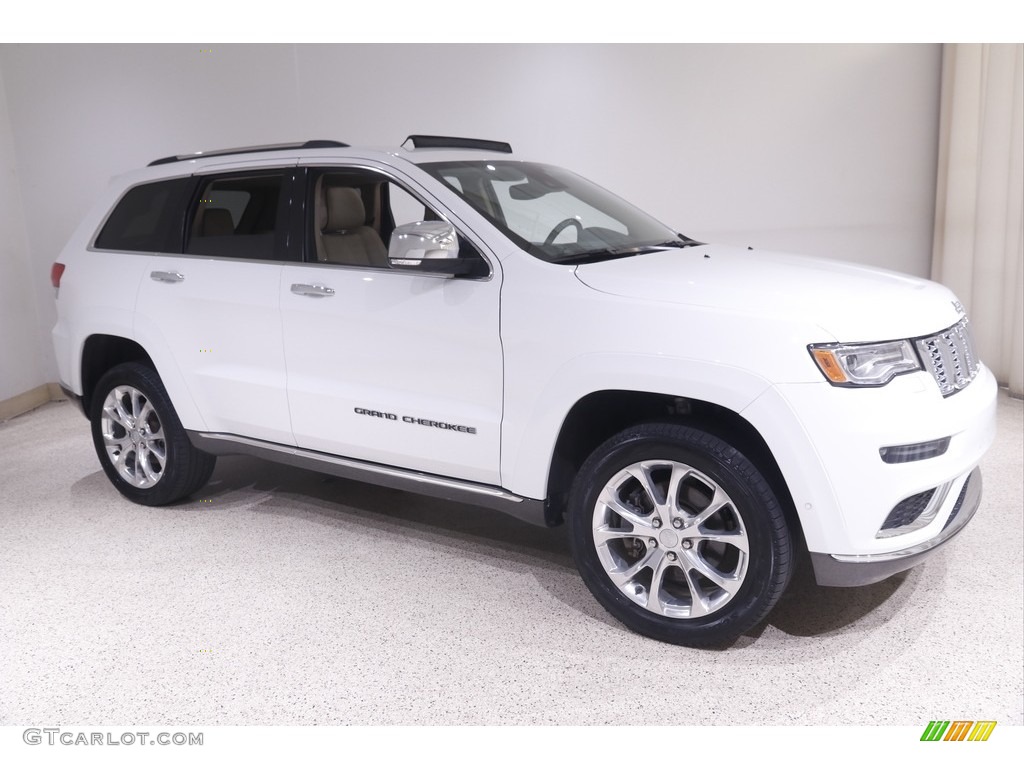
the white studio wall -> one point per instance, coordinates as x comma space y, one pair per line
821, 149
24, 357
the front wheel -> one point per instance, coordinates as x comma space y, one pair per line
140, 442
678, 535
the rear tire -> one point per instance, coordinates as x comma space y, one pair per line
139, 440
678, 535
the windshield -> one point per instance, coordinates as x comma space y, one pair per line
554, 214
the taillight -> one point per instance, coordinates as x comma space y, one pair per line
56, 271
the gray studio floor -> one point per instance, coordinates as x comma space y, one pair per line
285, 597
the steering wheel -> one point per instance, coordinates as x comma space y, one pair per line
562, 225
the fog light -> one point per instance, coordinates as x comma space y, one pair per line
901, 454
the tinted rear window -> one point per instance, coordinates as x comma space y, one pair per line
237, 216
149, 217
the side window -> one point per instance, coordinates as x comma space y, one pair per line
148, 218
406, 209
237, 216
353, 212
345, 219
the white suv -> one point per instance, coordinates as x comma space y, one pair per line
451, 320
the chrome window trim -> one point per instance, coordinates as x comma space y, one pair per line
461, 227
198, 256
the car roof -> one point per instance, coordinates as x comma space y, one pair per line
442, 149
413, 149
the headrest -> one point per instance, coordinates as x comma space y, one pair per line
216, 222
345, 209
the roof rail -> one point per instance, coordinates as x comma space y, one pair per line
312, 144
454, 142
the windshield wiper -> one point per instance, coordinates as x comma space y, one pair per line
682, 242
600, 254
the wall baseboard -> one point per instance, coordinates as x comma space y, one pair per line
28, 401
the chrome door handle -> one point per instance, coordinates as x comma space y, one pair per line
317, 291
166, 277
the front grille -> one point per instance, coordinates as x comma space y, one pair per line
949, 357
908, 510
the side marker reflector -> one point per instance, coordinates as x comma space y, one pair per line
829, 365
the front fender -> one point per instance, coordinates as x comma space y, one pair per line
530, 429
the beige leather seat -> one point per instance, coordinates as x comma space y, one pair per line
217, 223
344, 236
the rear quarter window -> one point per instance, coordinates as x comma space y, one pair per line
149, 217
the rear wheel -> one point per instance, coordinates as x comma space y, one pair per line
678, 535
140, 442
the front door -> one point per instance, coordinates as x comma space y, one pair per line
391, 367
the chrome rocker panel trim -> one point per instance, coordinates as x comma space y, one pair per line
493, 497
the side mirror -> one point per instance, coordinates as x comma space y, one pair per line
427, 246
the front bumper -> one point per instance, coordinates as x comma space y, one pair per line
859, 570
827, 443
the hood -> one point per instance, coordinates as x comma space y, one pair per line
850, 302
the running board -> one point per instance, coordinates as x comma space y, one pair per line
491, 496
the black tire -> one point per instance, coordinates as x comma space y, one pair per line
746, 586
150, 459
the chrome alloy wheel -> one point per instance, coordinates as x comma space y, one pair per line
670, 539
133, 436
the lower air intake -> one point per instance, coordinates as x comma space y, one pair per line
908, 510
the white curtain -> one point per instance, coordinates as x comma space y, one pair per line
979, 213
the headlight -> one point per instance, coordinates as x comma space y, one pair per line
864, 365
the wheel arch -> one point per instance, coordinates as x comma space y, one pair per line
100, 353
597, 416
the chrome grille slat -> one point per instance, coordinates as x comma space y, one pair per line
949, 357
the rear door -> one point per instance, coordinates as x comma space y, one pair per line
213, 310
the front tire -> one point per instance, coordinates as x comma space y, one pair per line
678, 535
139, 440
